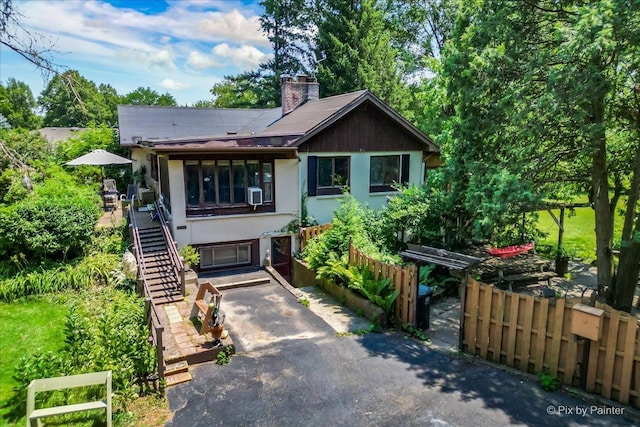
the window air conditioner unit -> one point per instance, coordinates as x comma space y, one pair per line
255, 196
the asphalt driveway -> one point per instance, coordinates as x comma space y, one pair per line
292, 370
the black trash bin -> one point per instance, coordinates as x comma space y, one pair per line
425, 293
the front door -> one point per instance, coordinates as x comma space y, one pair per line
281, 255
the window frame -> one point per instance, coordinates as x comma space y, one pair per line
314, 187
221, 207
403, 173
246, 245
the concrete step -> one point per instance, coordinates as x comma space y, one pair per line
179, 378
244, 283
176, 368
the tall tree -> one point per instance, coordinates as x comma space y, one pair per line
60, 101
246, 90
355, 46
17, 104
534, 85
288, 25
148, 96
110, 101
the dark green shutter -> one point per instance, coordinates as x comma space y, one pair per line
404, 174
312, 175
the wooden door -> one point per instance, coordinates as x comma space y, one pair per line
281, 255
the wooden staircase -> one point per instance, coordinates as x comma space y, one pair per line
159, 270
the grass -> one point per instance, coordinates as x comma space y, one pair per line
25, 326
579, 234
38, 322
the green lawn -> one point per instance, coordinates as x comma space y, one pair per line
25, 326
579, 232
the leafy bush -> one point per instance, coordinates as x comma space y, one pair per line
55, 222
349, 224
360, 279
189, 255
104, 330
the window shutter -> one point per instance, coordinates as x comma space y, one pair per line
404, 173
312, 175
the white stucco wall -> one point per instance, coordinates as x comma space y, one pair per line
228, 228
322, 207
139, 158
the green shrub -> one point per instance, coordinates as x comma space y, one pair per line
56, 221
104, 330
189, 254
348, 225
360, 279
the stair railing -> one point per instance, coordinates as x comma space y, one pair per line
156, 329
176, 261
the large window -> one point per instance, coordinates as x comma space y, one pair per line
223, 184
327, 175
387, 171
225, 256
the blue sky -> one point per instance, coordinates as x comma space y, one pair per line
182, 47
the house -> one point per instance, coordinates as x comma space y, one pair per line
231, 180
56, 134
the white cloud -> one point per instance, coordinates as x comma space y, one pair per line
163, 59
245, 57
129, 48
199, 61
172, 84
232, 26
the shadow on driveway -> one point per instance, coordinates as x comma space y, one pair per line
293, 370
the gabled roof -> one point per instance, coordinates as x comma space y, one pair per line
147, 123
186, 129
310, 114
314, 116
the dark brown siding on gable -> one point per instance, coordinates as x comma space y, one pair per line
364, 129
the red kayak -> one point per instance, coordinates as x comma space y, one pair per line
511, 251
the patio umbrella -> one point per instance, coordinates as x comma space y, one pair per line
99, 157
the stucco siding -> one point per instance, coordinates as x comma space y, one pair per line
231, 228
322, 207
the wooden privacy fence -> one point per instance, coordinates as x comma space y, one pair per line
308, 233
403, 278
534, 335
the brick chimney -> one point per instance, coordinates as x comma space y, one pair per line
296, 91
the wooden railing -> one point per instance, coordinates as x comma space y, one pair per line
157, 330
307, 233
153, 320
176, 262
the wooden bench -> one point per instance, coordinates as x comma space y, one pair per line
71, 381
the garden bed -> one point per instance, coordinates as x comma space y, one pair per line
305, 276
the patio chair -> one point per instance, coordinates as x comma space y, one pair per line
130, 198
110, 194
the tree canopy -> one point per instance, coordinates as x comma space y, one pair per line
18, 105
538, 89
148, 96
